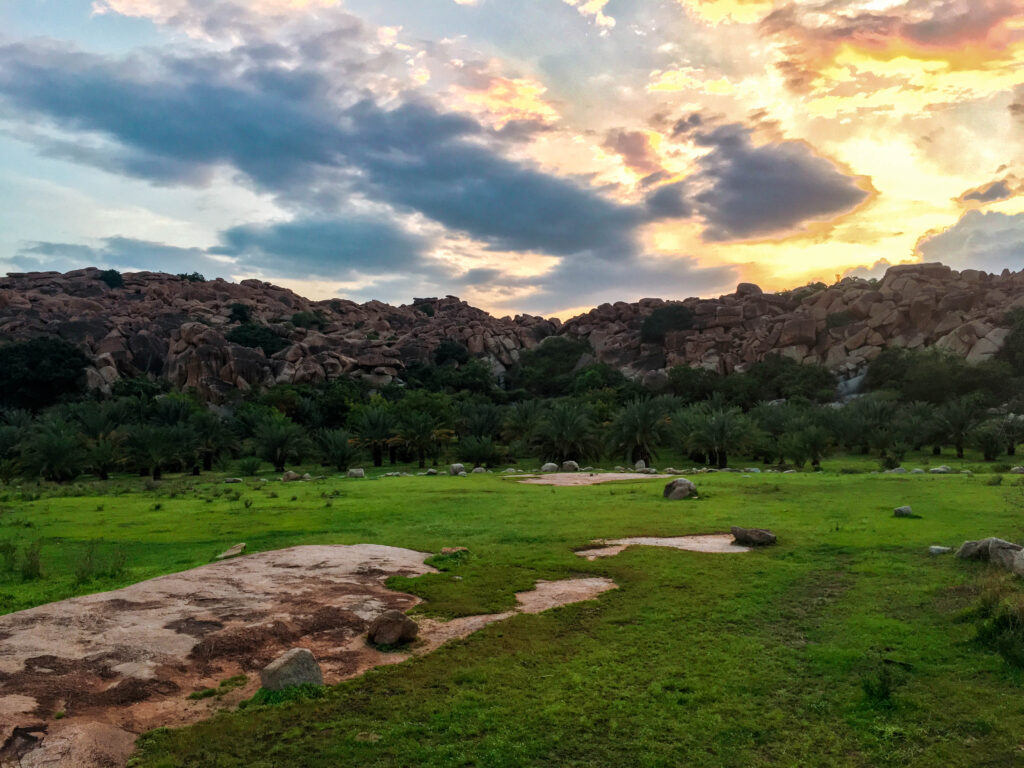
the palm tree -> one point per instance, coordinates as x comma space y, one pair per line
419, 432
279, 440
716, 432
153, 449
990, 439
337, 448
566, 432
212, 436
1013, 429
374, 427
103, 455
53, 451
639, 428
957, 419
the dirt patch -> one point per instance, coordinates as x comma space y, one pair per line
121, 663
566, 479
721, 543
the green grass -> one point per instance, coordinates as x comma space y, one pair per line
845, 645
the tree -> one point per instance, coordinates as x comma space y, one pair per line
258, 336
104, 454
522, 420
419, 432
374, 427
1012, 425
213, 438
566, 432
958, 418
664, 320
39, 372
279, 440
152, 448
53, 451
715, 432
990, 439
479, 451
338, 448
111, 277
639, 429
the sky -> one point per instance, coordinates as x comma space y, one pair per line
538, 156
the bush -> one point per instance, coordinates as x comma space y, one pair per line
665, 320
838, 320
309, 320
250, 466
37, 373
111, 277
258, 336
1000, 614
239, 313
479, 451
451, 351
8, 555
31, 564
192, 277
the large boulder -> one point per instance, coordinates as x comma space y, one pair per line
904, 512
356, 472
392, 628
680, 488
994, 550
296, 667
570, 466
456, 469
752, 537
549, 467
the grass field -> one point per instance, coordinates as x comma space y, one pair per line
845, 645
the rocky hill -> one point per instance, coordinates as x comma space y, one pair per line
167, 326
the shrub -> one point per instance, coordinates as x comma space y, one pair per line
665, 320
309, 320
31, 564
8, 554
239, 313
451, 351
1000, 614
250, 466
39, 372
192, 277
426, 308
479, 451
111, 277
253, 335
838, 320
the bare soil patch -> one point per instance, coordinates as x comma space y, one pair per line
586, 478
721, 543
120, 663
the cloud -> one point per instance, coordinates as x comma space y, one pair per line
593, 9
340, 249
988, 240
745, 191
634, 147
994, 191
119, 253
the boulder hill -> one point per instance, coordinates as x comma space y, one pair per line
167, 326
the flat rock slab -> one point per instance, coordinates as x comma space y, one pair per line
577, 478
721, 543
124, 662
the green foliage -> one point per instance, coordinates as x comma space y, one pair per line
838, 320
1000, 617
191, 277
1012, 352
226, 686
98, 561
935, 376
39, 372
292, 694
250, 466
479, 451
32, 561
548, 369
53, 451
111, 277
338, 448
426, 308
239, 313
567, 433
279, 440
374, 426
451, 351
309, 319
258, 336
665, 320
640, 428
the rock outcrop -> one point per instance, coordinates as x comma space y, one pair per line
166, 326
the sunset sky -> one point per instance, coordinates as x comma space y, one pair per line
536, 156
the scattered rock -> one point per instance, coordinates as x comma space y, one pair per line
356, 472
752, 537
917, 472
296, 667
935, 549
570, 466
641, 464
1017, 471
290, 477
453, 550
943, 470
430, 472
479, 471
232, 480
392, 628
904, 512
680, 488
992, 549
549, 467
456, 469
896, 471
235, 551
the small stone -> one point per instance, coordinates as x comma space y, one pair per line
904, 512
456, 469
232, 480
935, 549
392, 628
1017, 471
680, 488
235, 551
356, 472
943, 470
290, 477
430, 472
479, 471
463, 474
752, 537
296, 667
570, 466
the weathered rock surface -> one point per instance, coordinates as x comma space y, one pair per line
994, 550
680, 488
752, 537
549, 467
294, 667
456, 469
160, 325
356, 472
392, 628
234, 551
570, 466
904, 512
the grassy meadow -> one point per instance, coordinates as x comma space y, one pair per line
845, 645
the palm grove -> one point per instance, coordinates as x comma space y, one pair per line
556, 406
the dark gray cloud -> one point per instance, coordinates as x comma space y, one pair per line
122, 253
990, 193
987, 240
330, 248
635, 150
745, 191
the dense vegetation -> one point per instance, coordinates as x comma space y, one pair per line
559, 404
